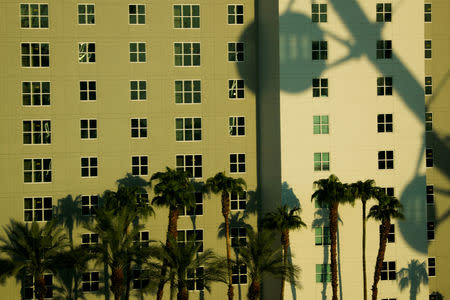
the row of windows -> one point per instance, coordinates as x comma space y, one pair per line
36, 15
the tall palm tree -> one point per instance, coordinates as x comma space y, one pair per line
414, 276
263, 260
284, 220
117, 234
174, 190
364, 191
183, 259
331, 192
32, 250
225, 185
388, 208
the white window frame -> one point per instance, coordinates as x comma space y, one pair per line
235, 127
184, 212
235, 14
194, 167
234, 89
31, 55
86, 14
86, 53
91, 206
319, 12
137, 14
388, 271
138, 90
94, 285
33, 208
323, 162
431, 266
138, 52
323, 124
183, 92
31, 93
428, 13
183, 55
30, 16
88, 90
236, 52
383, 13
142, 168
90, 168
139, 128
240, 199
239, 274
182, 17
192, 231
42, 132
322, 87
33, 171
384, 123
238, 163
88, 129
430, 85
386, 160
192, 130
324, 240
238, 236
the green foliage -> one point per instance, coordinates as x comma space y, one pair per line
388, 207
331, 190
283, 219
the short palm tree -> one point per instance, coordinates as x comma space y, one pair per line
388, 208
283, 220
364, 191
262, 260
32, 250
331, 192
414, 276
225, 185
189, 269
174, 190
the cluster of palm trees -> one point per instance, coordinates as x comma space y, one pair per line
331, 192
31, 250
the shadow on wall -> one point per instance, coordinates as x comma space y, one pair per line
413, 276
288, 196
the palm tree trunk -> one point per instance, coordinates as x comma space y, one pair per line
285, 244
128, 282
385, 225
333, 231
39, 287
254, 290
364, 248
226, 213
172, 232
117, 282
183, 293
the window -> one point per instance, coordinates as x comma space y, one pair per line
384, 12
428, 49
89, 239
236, 89
389, 191
427, 12
194, 281
86, 52
188, 129
430, 230
237, 163
430, 194
38, 209
197, 210
431, 266
88, 90
384, 123
238, 201
239, 274
323, 273
428, 121
88, 128
319, 50
86, 14
143, 240
235, 14
186, 16
188, 91
236, 126
187, 236
428, 85
384, 86
429, 157
89, 167
139, 165
37, 170
384, 49
187, 54
90, 281
138, 52
385, 160
37, 132
190, 163
28, 287
235, 52
322, 235
320, 125
320, 87
319, 13
89, 204
138, 90
321, 161
136, 13
238, 236
391, 233
388, 270
36, 93
141, 279
139, 128
34, 15
35, 55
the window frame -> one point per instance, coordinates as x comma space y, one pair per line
92, 169
238, 236
383, 125
195, 168
320, 52
235, 127
385, 161
428, 48
386, 16
138, 90
42, 170
239, 55
194, 131
238, 200
236, 90
32, 132
196, 232
94, 285
86, 14
194, 93
321, 238
320, 87
429, 157
428, 85
316, 16
388, 271
30, 55
428, 13
321, 276
240, 274
89, 92
323, 126
382, 48
138, 52
29, 16
31, 93
322, 162
44, 210
385, 86
182, 17
431, 266
90, 55
431, 230
89, 130
192, 56
26, 286
137, 14
140, 129
143, 169
91, 206
235, 14
199, 207
238, 163
428, 121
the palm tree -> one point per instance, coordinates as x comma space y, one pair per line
117, 234
263, 260
414, 275
331, 192
284, 220
189, 269
364, 191
225, 185
388, 208
32, 250
174, 190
